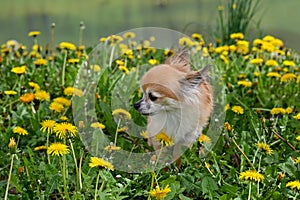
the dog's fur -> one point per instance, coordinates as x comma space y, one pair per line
177, 101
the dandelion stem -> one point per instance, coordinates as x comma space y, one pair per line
242, 152
75, 162
64, 177
116, 135
96, 186
47, 145
111, 55
79, 170
64, 69
159, 154
152, 182
249, 194
9, 176
102, 185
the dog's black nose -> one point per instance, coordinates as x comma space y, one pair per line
137, 105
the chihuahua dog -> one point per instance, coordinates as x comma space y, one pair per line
176, 100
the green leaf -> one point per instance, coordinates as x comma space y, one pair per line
289, 167
227, 188
182, 197
208, 185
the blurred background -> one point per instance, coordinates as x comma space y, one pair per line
105, 17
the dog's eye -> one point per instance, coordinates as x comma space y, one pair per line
152, 97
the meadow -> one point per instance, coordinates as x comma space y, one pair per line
53, 96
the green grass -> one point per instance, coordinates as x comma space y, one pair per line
29, 173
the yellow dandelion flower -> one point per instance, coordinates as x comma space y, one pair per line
73, 60
197, 36
37, 48
48, 125
63, 118
185, 41
204, 139
98, 125
69, 91
158, 193
42, 95
123, 129
251, 175
10, 92
276, 111
245, 83
268, 47
297, 116
298, 137
100, 162
295, 185
40, 62
287, 77
233, 6
273, 74
34, 85
114, 39
242, 76
257, 61
227, 107
64, 130
220, 8
232, 48
120, 62
272, 63
224, 59
268, 38
144, 134
62, 100
265, 147
277, 43
256, 74
67, 45
19, 130
56, 107
58, 149
111, 148
121, 113
298, 79
19, 70
164, 139
129, 35
27, 98
237, 109
124, 69
34, 33
238, 36
242, 46
40, 148
288, 63
153, 62
12, 143
228, 127
288, 110
297, 160
257, 42
96, 68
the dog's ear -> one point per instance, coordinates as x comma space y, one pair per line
180, 60
193, 79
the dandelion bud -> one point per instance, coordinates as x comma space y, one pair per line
12, 145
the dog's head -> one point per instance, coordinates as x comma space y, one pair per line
165, 87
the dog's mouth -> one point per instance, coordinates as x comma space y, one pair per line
147, 113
